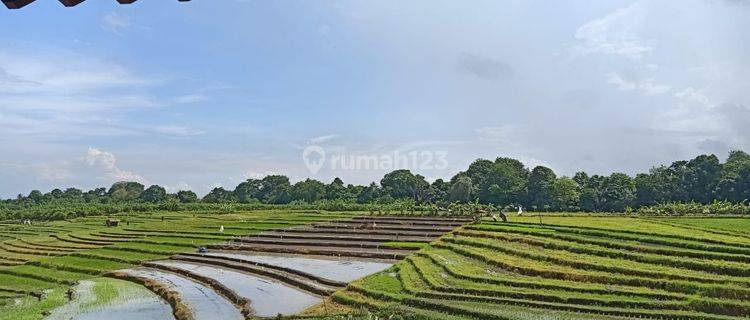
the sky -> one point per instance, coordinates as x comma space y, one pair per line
200, 94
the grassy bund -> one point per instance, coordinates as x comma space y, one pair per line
569, 267
40, 262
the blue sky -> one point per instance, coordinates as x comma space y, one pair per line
195, 95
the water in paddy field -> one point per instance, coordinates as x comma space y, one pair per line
337, 269
268, 297
137, 303
203, 301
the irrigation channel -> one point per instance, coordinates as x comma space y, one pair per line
280, 271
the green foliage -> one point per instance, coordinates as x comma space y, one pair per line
461, 190
693, 208
154, 194
125, 191
502, 183
404, 184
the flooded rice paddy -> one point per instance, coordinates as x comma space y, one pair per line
268, 297
280, 271
332, 268
110, 299
203, 301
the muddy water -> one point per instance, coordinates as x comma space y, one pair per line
132, 303
338, 269
268, 297
203, 301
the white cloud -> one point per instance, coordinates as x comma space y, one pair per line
258, 175
115, 22
44, 70
614, 34
647, 86
692, 96
324, 138
108, 163
179, 186
178, 131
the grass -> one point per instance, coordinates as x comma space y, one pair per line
569, 267
572, 267
52, 256
30, 308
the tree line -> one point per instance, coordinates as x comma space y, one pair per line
504, 182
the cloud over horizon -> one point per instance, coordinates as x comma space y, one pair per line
203, 97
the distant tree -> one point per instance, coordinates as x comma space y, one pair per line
353, 191
701, 178
565, 195
249, 191
369, 194
505, 184
154, 194
461, 190
618, 192
541, 182
734, 181
402, 184
275, 189
657, 186
308, 191
438, 191
35, 196
186, 196
591, 193
72, 194
478, 171
55, 194
581, 178
336, 190
125, 191
219, 195
95, 195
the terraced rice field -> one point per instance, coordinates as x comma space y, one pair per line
571, 268
284, 271
40, 262
313, 265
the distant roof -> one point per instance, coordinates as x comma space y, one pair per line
17, 4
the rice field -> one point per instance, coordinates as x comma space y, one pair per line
566, 267
571, 268
39, 263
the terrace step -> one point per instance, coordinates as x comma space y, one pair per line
328, 282
393, 254
293, 279
30, 252
363, 232
78, 241
311, 242
330, 236
382, 226
406, 218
